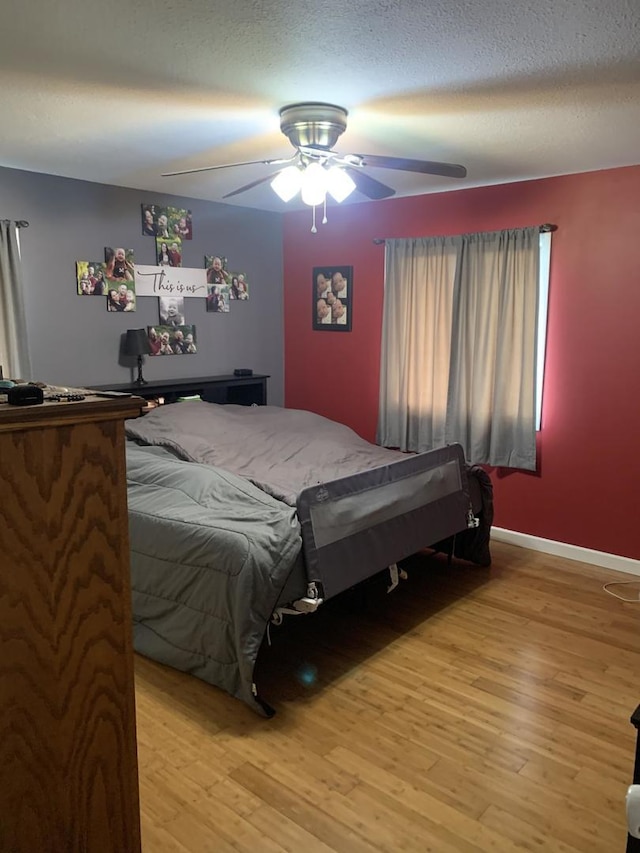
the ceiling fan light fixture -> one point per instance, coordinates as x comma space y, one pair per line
287, 183
340, 185
314, 184
313, 123
313, 128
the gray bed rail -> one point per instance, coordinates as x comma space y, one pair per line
356, 526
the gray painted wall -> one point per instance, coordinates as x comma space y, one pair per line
74, 341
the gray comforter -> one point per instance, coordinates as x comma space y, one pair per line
282, 451
210, 554
215, 538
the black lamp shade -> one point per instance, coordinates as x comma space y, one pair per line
136, 342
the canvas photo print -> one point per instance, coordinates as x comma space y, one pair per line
121, 298
238, 287
172, 340
90, 278
119, 274
118, 264
169, 252
216, 267
171, 311
331, 301
218, 298
169, 223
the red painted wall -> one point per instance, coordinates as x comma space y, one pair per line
586, 491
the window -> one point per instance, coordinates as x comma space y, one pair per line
543, 306
460, 354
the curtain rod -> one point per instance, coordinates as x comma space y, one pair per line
544, 229
19, 223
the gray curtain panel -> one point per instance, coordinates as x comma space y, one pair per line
416, 341
14, 351
459, 345
492, 391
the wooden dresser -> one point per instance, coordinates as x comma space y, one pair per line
68, 764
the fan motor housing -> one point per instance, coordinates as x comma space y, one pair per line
313, 124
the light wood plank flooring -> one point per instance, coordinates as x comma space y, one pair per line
472, 709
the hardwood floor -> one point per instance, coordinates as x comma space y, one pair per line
471, 710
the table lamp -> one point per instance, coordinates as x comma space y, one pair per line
137, 343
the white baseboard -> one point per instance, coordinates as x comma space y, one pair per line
567, 552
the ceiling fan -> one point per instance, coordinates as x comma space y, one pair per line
313, 128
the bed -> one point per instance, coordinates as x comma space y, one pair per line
240, 515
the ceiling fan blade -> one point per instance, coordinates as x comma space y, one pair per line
426, 167
367, 185
230, 165
253, 184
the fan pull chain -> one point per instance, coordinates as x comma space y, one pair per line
324, 218
314, 230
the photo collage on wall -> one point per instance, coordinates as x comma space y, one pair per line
172, 340
223, 286
114, 279
331, 298
172, 336
166, 223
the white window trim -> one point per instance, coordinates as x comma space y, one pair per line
543, 310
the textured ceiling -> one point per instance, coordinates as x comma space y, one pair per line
119, 91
